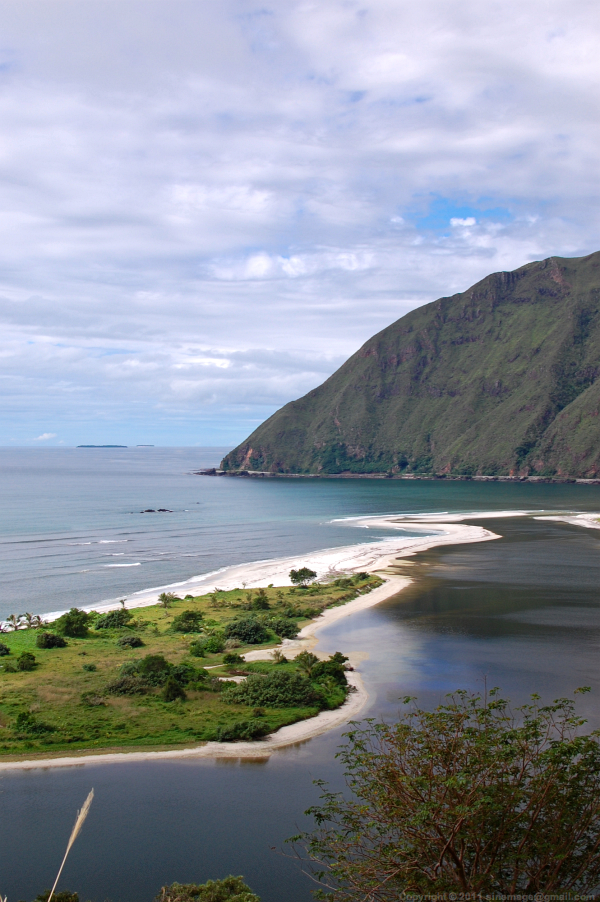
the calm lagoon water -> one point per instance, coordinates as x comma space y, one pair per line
521, 612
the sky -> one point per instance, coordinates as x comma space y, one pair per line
207, 206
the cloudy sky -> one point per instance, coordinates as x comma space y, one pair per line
207, 205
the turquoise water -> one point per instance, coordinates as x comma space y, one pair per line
521, 612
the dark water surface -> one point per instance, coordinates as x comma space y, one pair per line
521, 612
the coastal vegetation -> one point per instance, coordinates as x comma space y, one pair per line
469, 799
501, 379
167, 675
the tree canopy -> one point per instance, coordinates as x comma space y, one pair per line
302, 576
470, 797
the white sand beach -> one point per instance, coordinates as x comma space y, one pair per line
375, 557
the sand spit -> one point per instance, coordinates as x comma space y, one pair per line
380, 557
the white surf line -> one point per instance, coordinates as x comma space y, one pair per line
328, 562
589, 521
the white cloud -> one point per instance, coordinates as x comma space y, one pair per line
45, 436
205, 207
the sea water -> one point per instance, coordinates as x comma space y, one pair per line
521, 612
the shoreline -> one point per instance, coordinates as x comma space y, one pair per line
267, 474
376, 557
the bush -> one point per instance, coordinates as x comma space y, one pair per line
90, 668
233, 658
188, 622
243, 730
49, 640
185, 673
468, 798
248, 630
130, 642
4, 650
73, 624
231, 889
114, 620
155, 669
279, 689
129, 684
214, 644
198, 649
261, 602
29, 724
26, 661
65, 896
173, 690
323, 670
284, 627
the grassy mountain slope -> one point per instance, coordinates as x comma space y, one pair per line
500, 379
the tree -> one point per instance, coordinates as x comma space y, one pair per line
302, 576
15, 622
466, 798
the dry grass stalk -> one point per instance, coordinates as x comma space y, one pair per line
81, 816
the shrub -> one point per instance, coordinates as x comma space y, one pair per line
279, 689
323, 670
243, 730
26, 661
49, 640
4, 649
90, 667
26, 722
261, 602
130, 642
65, 896
173, 690
231, 889
130, 684
184, 673
198, 649
73, 624
283, 627
233, 658
114, 620
468, 798
188, 622
214, 644
248, 630
154, 669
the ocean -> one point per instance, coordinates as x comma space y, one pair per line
521, 612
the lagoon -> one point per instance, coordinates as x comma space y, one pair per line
522, 612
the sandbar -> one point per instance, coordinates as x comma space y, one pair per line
379, 557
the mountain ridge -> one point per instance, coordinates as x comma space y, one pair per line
501, 379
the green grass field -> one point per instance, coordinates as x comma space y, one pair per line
68, 701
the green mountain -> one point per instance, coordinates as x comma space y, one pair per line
501, 379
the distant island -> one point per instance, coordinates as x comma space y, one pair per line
102, 446
498, 381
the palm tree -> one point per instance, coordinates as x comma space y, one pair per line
30, 620
306, 661
166, 599
14, 622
